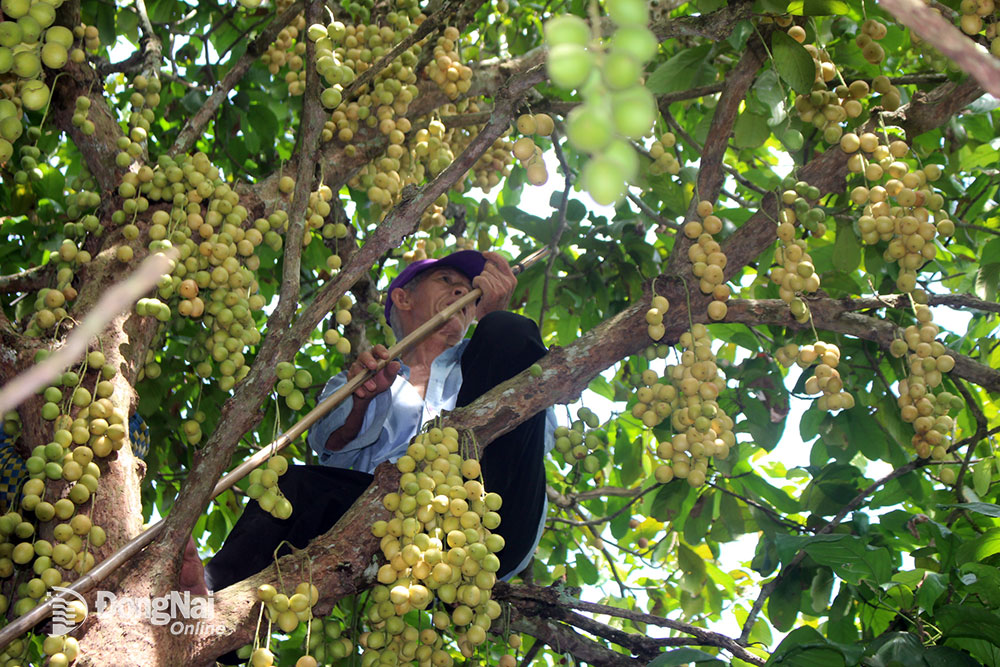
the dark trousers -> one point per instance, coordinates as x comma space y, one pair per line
503, 345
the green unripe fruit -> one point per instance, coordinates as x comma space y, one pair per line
588, 128
14, 9
331, 98
54, 55
27, 65
567, 29
34, 93
58, 34
638, 41
31, 29
284, 370
603, 179
10, 33
634, 111
621, 70
628, 12
569, 65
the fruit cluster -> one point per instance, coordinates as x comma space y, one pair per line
928, 360
616, 106
708, 262
438, 544
977, 16
577, 443
795, 272
327, 642
527, 151
664, 161
654, 316
825, 379
60, 649
702, 429
898, 203
265, 490
29, 41
287, 612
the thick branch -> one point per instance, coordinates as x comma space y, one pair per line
710, 174
836, 315
196, 494
28, 280
949, 40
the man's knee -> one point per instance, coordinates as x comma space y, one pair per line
502, 330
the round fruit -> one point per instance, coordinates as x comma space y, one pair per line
588, 128
566, 29
569, 65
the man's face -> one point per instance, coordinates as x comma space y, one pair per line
437, 289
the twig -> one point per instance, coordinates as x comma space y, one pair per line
430, 24
662, 224
560, 226
980, 418
770, 586
192, 130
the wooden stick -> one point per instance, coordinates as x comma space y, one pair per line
88, 581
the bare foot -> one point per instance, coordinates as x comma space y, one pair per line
192, 577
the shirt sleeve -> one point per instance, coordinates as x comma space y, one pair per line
356, 454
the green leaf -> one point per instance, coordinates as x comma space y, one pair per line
680, 71
586, 569
987, 279
772, 494
957, 620
945, 656
793, 62
896, 648
628, 458
536, 227
931, 589
751, 130
982, 476
668, 499
783, 605
789, 545
818, 8
987, 509
980, 548
684, 656
846, 249
991, 252
853, 560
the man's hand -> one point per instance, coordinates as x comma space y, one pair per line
368, 361
497, 282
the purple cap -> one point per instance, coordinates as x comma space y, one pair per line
469, 262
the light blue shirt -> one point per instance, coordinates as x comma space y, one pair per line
394, 417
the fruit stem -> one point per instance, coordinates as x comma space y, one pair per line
49, 103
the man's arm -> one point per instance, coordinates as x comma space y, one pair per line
363, 395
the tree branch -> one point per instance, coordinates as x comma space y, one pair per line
836, 315
554, 602
949, 40
28, 280
855, 502
195, 125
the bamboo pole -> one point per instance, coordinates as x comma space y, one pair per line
101, 571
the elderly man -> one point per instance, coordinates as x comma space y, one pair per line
446, 370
